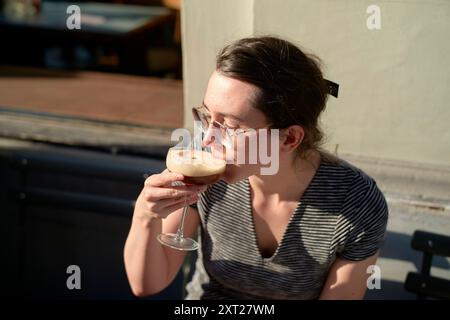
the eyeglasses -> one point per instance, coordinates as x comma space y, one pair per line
202, 115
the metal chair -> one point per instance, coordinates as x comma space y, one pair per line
424, 284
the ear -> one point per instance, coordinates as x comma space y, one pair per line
291, 138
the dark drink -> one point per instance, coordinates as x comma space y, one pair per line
202, 180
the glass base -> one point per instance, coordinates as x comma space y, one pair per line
171, 240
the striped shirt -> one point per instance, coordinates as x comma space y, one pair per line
342, 213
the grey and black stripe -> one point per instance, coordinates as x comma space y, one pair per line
341, 214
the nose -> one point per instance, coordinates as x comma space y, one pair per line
213, 140
208, 137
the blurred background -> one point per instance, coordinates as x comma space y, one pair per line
86, 115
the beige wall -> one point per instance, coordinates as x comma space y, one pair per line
206, 27
394, 82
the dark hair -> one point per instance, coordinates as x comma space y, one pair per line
292, 88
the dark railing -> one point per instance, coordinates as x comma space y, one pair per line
95, 190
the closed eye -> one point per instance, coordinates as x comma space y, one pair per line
231, 127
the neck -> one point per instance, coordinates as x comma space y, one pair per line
289, 183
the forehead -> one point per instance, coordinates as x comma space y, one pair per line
228, 95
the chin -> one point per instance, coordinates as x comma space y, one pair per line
233, 175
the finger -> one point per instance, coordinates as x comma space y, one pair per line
162, 205
170, 202
177, 206
192, 187
163, 179
157, 194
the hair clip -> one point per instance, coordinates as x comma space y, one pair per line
333, 88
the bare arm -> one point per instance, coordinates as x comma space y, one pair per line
150, 266
347, 279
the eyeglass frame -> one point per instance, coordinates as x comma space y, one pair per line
228, 131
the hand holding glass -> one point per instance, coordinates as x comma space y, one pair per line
198, 167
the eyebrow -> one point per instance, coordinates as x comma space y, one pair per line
225, 115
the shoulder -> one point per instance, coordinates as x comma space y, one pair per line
363, 216
359, 191
364, 205
356, 181
363, 191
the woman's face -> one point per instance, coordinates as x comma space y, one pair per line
231, 103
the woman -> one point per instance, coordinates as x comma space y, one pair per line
310, 231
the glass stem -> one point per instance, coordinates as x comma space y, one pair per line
179, 234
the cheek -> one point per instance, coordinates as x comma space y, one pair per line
241, 149
270, 149
246, 149
254, 147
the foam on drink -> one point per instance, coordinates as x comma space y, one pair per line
198, 167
